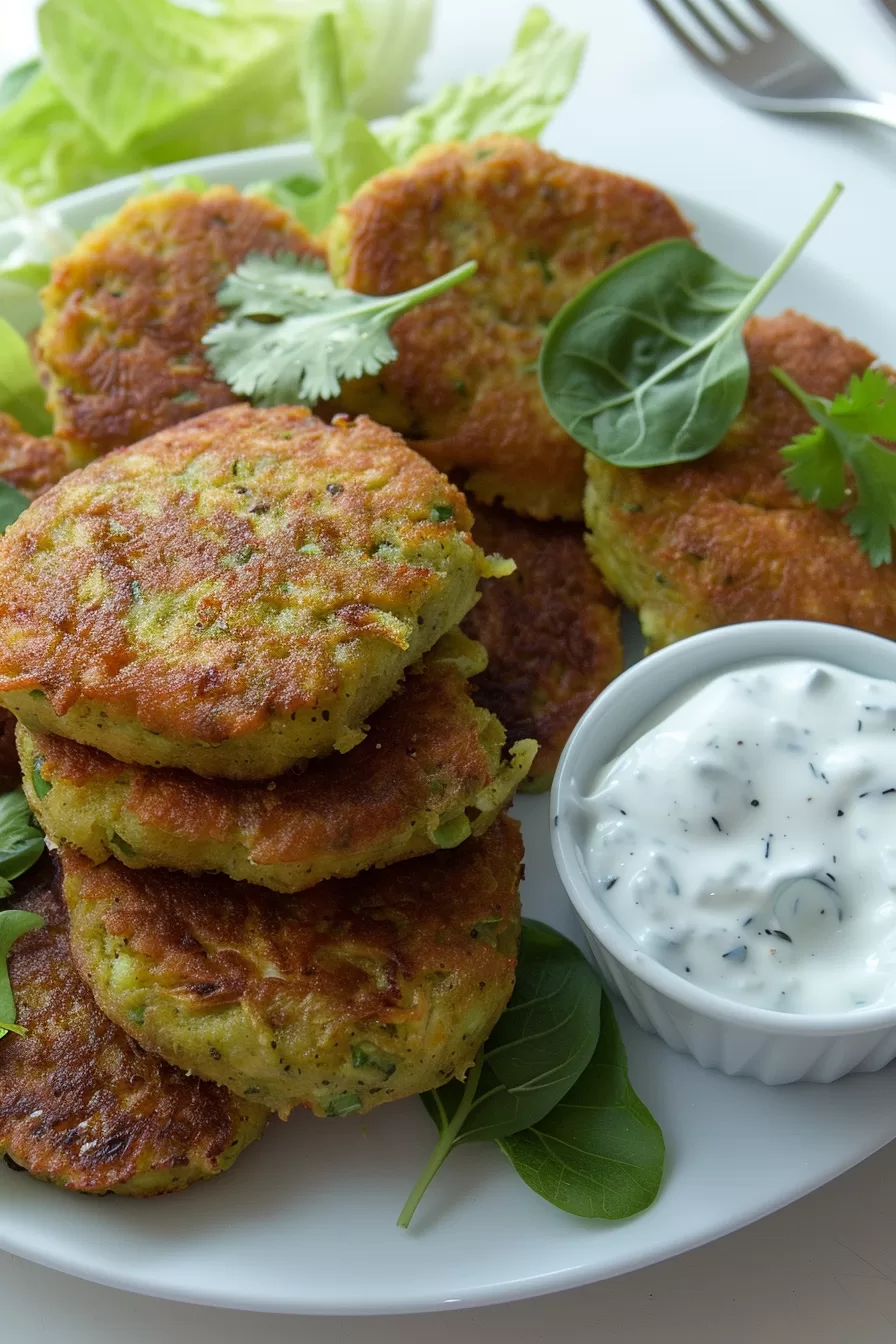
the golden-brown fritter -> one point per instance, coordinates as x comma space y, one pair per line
464, 386
81, 1104
431, 771
234, 594
551, 631
126, 311
32, 464
343, 997
724, 539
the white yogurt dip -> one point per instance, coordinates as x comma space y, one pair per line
747, 837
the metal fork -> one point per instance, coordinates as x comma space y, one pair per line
762, 62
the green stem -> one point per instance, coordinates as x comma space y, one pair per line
442, 1148
747, 305
786, 259
412, 297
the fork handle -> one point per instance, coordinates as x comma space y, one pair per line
868, 109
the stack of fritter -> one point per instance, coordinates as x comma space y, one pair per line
232, 652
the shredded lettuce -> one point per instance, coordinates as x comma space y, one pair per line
518, 98
21, 395
347, 151
126, 87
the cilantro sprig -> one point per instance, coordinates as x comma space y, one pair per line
294, 336
844, 451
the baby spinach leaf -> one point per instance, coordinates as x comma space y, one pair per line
599, 1153
21, 842
539, 1047
647, 366
13, 923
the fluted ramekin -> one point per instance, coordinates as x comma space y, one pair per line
719, 1032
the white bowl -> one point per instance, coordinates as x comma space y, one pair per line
720, 1033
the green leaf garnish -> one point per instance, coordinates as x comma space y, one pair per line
599, 1153
517, 98
16, 81
13, 923
539, 1047
21, 842
293, 335
646, 366
347, 151
846, 438
21, 395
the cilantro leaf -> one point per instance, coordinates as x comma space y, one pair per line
293, 336
868, 405
846, 439
817, 472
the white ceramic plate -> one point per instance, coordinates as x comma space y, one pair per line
305, 1222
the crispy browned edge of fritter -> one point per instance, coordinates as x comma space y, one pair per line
426, 733
126, 311
61, 1113
551, 631
206, 940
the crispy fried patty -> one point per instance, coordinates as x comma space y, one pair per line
126, 311
343, 997
81, 1104
551, 631
464, 386
33, 464
232, 595
724, 539
431, 771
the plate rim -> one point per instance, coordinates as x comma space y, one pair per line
262, 163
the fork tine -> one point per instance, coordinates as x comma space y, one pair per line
737, 22
681, 35
768, 17
706, 16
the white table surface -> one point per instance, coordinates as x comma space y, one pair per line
824, 1270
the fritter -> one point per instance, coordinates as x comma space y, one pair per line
724, 539
431, 772
351, 994
81, 1104
33, 464
465, 386
551, 631
232, 595
125, 312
